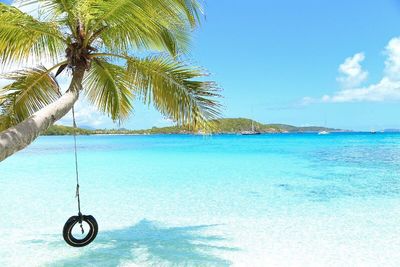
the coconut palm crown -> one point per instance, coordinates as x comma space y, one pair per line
115, 50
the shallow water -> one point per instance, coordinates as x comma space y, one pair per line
179, 200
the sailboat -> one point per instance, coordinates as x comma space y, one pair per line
323, 132
252, 132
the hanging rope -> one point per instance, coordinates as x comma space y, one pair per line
76, 169
73, 220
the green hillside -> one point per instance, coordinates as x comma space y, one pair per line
236, 125
65, 130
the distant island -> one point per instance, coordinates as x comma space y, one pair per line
222, 126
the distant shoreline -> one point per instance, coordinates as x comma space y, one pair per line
236, 126
220, 126
216, 134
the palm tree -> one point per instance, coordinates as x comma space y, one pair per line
94, 41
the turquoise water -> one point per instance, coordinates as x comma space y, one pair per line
179, 200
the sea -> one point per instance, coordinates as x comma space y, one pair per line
220, 200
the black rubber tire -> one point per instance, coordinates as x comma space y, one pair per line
71, 240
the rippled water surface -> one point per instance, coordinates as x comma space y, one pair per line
178, 200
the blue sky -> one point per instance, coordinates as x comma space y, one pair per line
285, 62
269, 55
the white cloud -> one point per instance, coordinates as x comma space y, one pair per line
86, 115
351, 71
384, 90
307, 101
387, 89
164, 122
392, 63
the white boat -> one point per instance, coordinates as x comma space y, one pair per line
323, 132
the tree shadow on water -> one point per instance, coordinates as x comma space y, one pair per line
149, 244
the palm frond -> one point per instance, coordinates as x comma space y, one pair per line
107, 88
31, 90
67, 12
115, 27
192, 9
141, 24
22, 37
63, 11
173, 89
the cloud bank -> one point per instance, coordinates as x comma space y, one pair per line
352, 77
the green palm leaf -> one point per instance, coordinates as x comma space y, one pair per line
22, 37
107, 88
173, 89
31, 90
131, 24
65, 12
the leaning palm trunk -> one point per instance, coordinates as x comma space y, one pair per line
21, 135
97, 40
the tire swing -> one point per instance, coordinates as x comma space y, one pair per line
73, 220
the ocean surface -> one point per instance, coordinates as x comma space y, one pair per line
223, 200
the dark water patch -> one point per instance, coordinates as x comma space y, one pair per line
254, 194
354, 189
284, 186
369, 156
327, 193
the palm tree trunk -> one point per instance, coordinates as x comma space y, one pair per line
21, 135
